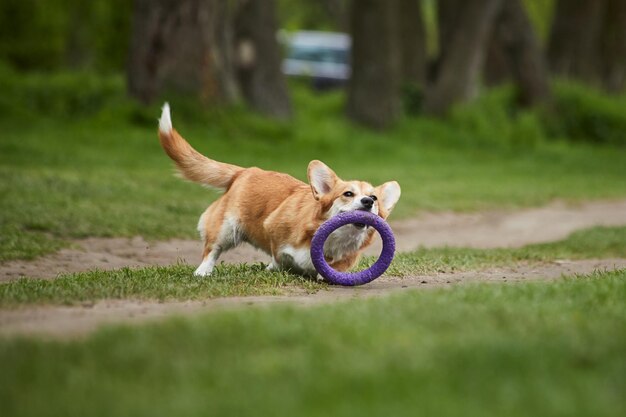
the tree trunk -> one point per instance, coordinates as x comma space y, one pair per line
574, 38
497, 68
464, 30
337, 11
412, 42
515, 51
78, 51
373, 96
613, 46
259, 59
449, 13
181, 46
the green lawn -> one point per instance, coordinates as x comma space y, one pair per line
543, 349
104, 174
178, 283
77, 159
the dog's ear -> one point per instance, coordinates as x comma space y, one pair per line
389, 194
321, 177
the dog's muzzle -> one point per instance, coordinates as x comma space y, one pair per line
367, 209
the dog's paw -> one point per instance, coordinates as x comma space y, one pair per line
272, 266
204, 270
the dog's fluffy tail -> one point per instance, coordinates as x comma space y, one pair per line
191, 164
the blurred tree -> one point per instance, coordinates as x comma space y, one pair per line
110, 33
55, 34
77, 52
373, 94
575, 33
325, 15
32, 33
412, 42
337, 11
514, 51
212, 49
613, 46
464, 28
183, 46
588, 42
497, 68
259, 59
540, 13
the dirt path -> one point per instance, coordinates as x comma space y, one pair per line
481, 230
71, 322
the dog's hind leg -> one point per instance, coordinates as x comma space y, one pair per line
208, 262
209, 226
220, 233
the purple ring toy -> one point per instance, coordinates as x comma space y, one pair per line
353, 278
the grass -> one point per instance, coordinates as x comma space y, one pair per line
178, 283
175, 282
598, 242
547, 348
77, 162
82, 161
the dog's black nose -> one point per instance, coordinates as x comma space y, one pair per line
367, 202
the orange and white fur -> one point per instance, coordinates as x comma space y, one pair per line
276, 212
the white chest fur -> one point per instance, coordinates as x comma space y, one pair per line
345, 240
298, 259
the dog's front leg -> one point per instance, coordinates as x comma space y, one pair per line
346, 263
273, 265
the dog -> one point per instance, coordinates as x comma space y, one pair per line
275, 212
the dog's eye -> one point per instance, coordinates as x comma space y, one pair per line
348, 194
373, 197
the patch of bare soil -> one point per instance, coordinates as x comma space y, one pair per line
77, 321
481, 230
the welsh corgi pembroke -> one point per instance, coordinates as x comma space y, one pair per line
276, 212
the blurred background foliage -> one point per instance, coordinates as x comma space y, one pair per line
78, 146
94, 35
68, 58
65, 34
